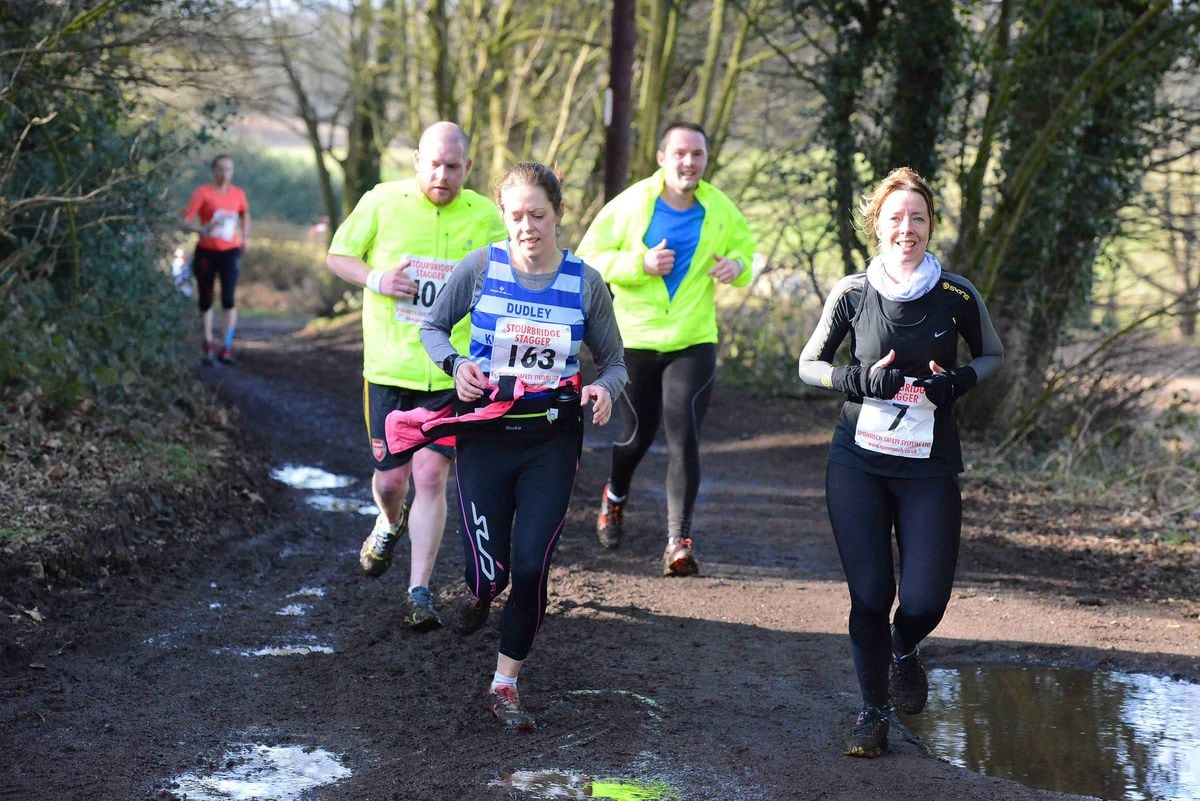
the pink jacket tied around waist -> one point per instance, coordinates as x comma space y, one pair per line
436, 421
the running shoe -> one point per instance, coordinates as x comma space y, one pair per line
470, 613
375, 556
421, 615
610, 523
225, 356
506, 706
207, 358
678, 559
908, 682
868, 738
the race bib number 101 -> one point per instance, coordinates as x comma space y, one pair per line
430, 277
534, 352
902, 426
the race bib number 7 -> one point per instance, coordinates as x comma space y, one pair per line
902, 426
430, 277
534, 352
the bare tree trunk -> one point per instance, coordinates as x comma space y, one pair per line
971, 182
1188, 266
363, 162
620, 71
708, 70
921, 89
719, 127
488, 83
1179, 207
407, 71
308, 117
569, 89
856, 29
443, 76
656, 64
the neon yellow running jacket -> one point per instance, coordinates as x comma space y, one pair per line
392, 221
648, 317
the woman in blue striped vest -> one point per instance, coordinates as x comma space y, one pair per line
531, 306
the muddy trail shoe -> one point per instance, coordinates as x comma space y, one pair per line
226, 356
206, 356
375, 556
868, 738
506, 706
908, 682
470, 614
610, 523
678, 559
421, 616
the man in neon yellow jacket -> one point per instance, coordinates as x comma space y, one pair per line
662, 245
400, 243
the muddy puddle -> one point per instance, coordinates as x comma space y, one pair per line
314, 480
309, 477
263, 773
1111, 735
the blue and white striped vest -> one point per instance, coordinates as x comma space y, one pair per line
503, 297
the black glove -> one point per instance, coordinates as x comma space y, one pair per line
854, 379
945, 388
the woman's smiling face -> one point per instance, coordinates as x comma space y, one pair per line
903, 227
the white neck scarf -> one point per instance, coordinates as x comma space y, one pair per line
922, 279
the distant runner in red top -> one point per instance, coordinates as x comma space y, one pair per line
224, 230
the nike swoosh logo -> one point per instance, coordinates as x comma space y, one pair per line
939, 333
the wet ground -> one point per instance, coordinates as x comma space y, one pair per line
1099, 733
270, 669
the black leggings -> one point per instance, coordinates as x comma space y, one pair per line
501, 476
206, 266
926, 514
673, 389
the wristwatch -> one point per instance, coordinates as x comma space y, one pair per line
448, 364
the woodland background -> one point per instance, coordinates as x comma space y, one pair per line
1061, 138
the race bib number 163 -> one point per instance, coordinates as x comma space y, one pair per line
535, 352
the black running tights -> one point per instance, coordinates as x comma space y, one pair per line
926, 515
513, 492
207, 266
672, 389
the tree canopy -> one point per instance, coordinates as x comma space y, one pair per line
1049, 130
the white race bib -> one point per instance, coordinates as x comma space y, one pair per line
430, 276
223, 225
535, 352
902, 426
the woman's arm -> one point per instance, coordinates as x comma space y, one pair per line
816, 360
976, 329
462, 289
602, 336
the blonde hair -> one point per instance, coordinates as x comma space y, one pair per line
901, 178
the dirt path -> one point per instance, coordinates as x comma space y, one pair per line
734, 685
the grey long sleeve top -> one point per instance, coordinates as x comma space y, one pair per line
465, 285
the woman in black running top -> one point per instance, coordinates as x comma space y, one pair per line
895, 456
531, 307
